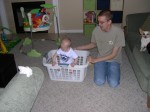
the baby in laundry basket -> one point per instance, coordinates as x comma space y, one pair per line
66, 54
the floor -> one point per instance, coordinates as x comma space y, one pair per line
56, 96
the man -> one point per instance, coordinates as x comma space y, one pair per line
109, 40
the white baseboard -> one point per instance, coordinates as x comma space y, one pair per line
71, 31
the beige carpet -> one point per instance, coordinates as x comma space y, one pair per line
57, 96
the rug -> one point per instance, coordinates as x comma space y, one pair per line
56, 96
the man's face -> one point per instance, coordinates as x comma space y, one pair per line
104, 23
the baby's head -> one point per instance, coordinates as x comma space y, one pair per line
65, 44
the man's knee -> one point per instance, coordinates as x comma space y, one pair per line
99, 82
113, 84
114, 74
99, 73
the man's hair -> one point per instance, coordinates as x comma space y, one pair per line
107, 13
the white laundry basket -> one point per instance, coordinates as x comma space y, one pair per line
67, 73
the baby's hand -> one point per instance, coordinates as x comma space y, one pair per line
73, 64
53, 63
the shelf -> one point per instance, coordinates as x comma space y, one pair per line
88, 10
88, 29
92, 5
89, 23
89, 6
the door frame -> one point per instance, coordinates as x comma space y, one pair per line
55, 3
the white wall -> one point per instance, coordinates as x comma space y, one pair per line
0, 22
74, 16
71, 12
3, 16
135, 6
71, 15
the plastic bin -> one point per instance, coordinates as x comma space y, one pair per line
67, 73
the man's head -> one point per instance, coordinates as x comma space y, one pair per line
65, 43
105, 20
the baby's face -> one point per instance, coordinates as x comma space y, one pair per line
65, 45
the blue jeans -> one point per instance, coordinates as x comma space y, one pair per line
109, 71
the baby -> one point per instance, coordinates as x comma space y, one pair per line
66, 54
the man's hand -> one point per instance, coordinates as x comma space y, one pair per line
105, 58
91, 59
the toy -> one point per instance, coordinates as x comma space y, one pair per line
3, 48
38, 20
7, 44
4, 38
90, 17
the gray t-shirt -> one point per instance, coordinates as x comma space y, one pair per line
106, 41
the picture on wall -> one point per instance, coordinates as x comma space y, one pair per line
117, 16
103, 4
116, 5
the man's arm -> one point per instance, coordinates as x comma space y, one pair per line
87, 46
105, 58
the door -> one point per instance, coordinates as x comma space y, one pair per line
70, 14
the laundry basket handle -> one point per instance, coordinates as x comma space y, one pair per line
63, 65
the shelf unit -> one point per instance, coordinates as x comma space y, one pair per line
91, 9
